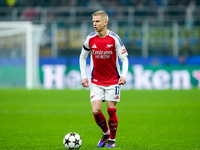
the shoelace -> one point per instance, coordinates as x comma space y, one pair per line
111, 142
104, 137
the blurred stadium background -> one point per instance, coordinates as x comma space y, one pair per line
162, 38
40, 44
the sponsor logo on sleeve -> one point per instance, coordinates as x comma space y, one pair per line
123, 51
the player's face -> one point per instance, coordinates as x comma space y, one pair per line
99, 23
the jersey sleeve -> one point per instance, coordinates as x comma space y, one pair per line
120, 48
122, 54
124, 66
86, 44
82, 60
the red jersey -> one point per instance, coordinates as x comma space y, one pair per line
105, 69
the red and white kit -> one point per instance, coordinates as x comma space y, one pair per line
105, 75
105, 69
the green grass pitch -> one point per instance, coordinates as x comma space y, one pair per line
148, 120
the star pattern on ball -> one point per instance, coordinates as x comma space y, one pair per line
76, 142
67, 141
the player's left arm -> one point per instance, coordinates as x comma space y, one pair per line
122, 54
122, 79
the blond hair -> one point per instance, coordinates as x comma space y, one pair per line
101, 13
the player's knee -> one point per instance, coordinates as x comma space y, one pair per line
96, 107
111, 104
96, 111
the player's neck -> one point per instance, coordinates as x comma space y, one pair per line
103, 33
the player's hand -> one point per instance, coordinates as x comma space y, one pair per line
85, 82
122, 81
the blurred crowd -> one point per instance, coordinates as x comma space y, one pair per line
183, 11
158, 12
96, 3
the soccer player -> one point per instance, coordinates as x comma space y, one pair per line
105, 47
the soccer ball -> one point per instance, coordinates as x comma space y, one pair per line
72, 140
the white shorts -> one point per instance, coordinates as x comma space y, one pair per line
110, 93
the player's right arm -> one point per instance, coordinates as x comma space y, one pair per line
82, 61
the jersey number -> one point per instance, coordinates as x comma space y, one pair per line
116, 90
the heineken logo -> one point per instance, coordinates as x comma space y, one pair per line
160, 79
139, 77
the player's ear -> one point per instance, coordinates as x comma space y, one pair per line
106, 21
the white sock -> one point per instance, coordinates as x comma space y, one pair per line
111, 139
107, 133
